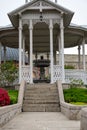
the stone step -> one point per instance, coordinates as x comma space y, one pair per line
41, 97
40, 89
41, 94
41, 101
42, 85
41, 108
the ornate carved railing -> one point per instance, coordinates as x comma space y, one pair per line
57, 73
26, 73
75, 74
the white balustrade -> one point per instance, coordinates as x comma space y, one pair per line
26, 73
75, 74
57, 73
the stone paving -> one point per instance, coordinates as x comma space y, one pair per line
41, 121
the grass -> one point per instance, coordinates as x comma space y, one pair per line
77, 96
13, 94
78, 103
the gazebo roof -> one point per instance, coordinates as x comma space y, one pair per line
73, 34
14, 15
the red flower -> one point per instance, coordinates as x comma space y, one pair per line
4, 97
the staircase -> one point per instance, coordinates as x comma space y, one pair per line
41, 98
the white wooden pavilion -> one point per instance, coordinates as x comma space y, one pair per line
42, 26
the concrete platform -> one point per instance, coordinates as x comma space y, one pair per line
41, 121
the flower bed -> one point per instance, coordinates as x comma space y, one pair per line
4, 97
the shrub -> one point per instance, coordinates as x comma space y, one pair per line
75, 95
8, 73
13, 96
69, 67
76, 83
4, 97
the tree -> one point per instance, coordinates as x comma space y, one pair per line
8, 73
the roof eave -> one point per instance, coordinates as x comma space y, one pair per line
67, 13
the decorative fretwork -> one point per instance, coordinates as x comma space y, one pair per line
75, 74
25, 21
57, 73
56, 21
26, 73
45, 4
36, 4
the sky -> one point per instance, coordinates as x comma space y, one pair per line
79, 7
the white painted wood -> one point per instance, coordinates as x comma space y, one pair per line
83, 50
51, 49
62, 48
20, 48
75, 75
59, 39
0, 52
23, 50
57, 73
26, 73
46, 15
31, 51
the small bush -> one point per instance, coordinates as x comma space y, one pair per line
76, 83
13, 96
4, 97
75, 95
69, 67
8, 73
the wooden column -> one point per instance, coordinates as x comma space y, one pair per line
20, 48
79, 59
23, 50
51, 49
83, 50
31, 51
62, 48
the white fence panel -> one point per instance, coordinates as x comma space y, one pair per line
26, 73
57, 73
75, 74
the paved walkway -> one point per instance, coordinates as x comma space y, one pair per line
41, 121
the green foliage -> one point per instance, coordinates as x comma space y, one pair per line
78, 103
69, 67
75, 95
76, 83
13, 94
8, 73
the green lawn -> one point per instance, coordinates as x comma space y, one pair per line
77, 96
78, 103
13, 96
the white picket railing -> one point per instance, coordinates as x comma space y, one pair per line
75, 74
57, 73
26, 73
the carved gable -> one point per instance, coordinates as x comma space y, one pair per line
41, 4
